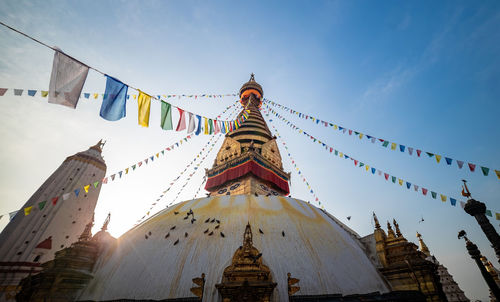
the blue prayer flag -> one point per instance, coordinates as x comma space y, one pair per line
31, 92
402, 148
198, 130
453, 201
114, 101
373, 170
408, 185
77, 191
448, 160
86, 95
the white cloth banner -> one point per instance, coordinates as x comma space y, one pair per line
191, 125
12, 214
66, 80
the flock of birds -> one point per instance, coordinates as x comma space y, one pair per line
189, 214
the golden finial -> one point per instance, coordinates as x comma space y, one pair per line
247, 236
396, 225
423, 246
87, 232
390, 232
465, 190
106, 222
377, 224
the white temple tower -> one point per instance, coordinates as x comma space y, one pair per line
51, 225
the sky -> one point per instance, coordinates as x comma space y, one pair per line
424, 74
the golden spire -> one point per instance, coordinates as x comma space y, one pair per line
390, 232
490, 268
87, 232
106, 222
423, 246
396, 225
247, 237
377, 224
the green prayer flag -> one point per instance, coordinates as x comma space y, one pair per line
96, 184
394, 179
211, 124
488, 213
434, 194
41, 205
133, 167
485, 171
166, 116
385, 143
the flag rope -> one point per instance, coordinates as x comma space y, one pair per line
374, 170
384, 143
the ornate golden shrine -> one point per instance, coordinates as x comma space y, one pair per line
247, 278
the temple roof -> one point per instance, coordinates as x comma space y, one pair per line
157, 261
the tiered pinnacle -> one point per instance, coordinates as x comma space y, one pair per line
249, 161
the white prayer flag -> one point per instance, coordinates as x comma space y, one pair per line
66, 196
191, 125
66, 80
12, 214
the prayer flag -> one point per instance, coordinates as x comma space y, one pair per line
191, 124
453, 202
144, 102
400, 181
114, 101
210, 124
410, 150
434, 194
448, 160
485, 171
393, 146
385, 143
133, 167
96, 184
488, 213
497, 215
198, 130
3, 91
95, 96
472, 167
386, 176
27, 210
415, 187
206, 126
18, 92
126, 169
443, 197
66, 196
402, 148
77, 191
430, 154
31, 92
424, 191
86, 95
86, 188
462, 204
497, 173
54, 200
166, 116
418, 152
44, 93
408, 185
66, 80
460, 164
12, 215
393, 179
216, 127
438, 158
41, 205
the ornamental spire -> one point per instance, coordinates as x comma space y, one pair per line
87, 232
375, 219
423, 246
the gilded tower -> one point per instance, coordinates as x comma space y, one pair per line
249, 161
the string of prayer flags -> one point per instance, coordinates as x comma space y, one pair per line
66, 80
191, 124
114, 101
400, 181
384, 143
144, 102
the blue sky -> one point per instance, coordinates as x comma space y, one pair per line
424, 74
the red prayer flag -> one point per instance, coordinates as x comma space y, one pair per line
424, 191
54, 200
386, 176
418, 152
472, 167
182, 121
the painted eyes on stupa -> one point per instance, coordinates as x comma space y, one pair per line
234, 186
222, 191
264, 188
274, 193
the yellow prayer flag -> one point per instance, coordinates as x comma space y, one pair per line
400, 181
393, 146
96, 95
164, 96
335, 127
144, 102
44, 93
367, 167
360, 135
126, 171
497, 173
134, 96
206, 126
86, 188
157, 155
438, 158
340, 154
497, 216
27, 211
443, 197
